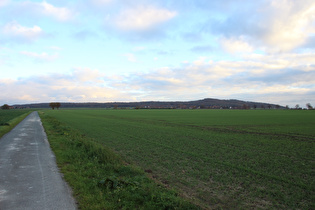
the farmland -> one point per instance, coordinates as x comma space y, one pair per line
214, 158
10, 118
7, 115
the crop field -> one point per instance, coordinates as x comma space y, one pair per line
7, 115
10, 118
214, 158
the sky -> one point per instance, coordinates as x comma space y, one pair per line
160, 50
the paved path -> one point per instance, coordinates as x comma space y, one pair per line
29, 177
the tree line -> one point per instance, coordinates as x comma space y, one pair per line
202, 104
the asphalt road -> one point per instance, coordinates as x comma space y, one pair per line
29, 177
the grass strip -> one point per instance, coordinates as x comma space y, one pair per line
100, 179
9, 125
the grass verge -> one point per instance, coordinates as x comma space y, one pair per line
8, 126
100, 179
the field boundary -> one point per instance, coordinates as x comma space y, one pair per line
4, 129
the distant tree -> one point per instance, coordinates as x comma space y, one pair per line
54, 105
287, 107
57, 104
309, 106
5, 106
297, 106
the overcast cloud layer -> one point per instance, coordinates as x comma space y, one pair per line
126, 50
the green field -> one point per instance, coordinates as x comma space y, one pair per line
215, 158
7, 115
10, 118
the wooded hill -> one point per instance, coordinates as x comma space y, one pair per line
207, 103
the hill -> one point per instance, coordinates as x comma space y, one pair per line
207, 103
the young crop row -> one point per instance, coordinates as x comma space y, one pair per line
212, 156
100, 179
10, 118
209, 157
7, 115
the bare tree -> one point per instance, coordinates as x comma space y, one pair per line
309, 106
297, 106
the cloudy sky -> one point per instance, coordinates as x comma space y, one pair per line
166, 50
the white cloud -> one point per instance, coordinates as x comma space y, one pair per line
250, 79
142, 18
87, 75
74, 87
22, 33
101, 2
234, 45
287, 79
4, 3
45, 9
291, 25
40, 56
272, 25
61, 13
